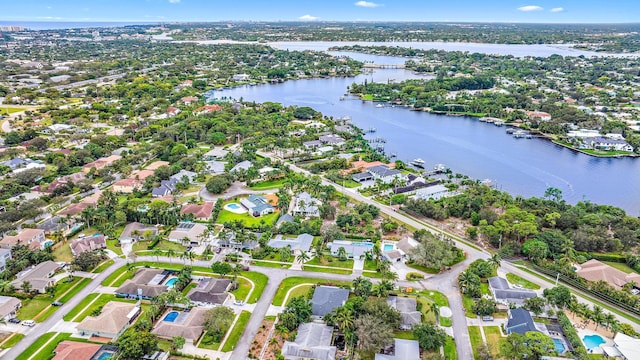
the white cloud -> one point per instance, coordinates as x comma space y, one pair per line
368, 4
557, 9
531, 8
308, 17
174, 1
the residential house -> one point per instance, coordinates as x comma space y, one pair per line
182, 174
434, 192
74, 350
244, 165
5, 255
327, 298
407, 245
127, 186
135, 231
206, 109
101, 163
188, 325
354, 250
76, 208
603, 143
624, 347
385, 174
188, 100
230, 240
156, 164
17, 162
520, 321
193, 232
302, 243
538, 116
595, 270
89, 243
240, 77
313, 341
210, 292
214, 167
305, 205
32, 237
173, 111
285, 218
217, 153
38, 276
407, 307
145, 284
200, 211
257, 205
401, 350
506, 295
9, 307
331, 139
37, 164
112, 321
311, 145
166, 187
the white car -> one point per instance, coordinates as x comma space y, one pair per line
29, 323
238, 302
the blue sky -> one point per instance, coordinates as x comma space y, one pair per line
544, 11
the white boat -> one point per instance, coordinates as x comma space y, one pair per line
439, 168
417, 163
379, 106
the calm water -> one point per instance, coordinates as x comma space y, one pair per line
483, 151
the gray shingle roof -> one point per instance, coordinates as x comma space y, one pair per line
327, 298
520, 321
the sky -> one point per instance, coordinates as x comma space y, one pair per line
531, 11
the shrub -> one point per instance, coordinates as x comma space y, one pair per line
414, 276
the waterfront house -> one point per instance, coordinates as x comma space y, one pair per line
5, 255
193, 232
210, 292
603, 143
32, 237
538, 116
313, 341
327, 298
9, 307
200, 211
400, 350
257, 205
595, 270
188, 100
385, 174
39, 276
112, 321
145, 284
311, 145
331, 139
305, 205
434, 192
520, 321
240, 77
89, 243
207, 109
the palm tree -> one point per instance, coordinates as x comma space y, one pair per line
171, 253
302, 257
435, 309
597, 315
157, 252
342, 253
609, 319
390, 275
495, 260
344, 318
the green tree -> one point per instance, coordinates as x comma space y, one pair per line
298, 310
133, 345
484, 307
429, 335
535, 250
362, 286
515, 347
218, 184
217, 321
221, 268
534, 304
539, 344
559, 296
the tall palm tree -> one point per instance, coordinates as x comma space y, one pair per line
435, 309
342, 253
344, 318
464, 281
495, 260
171, 253
157, 252
302, 257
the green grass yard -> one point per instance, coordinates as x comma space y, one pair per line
12, 340
494, 339
62, 252
247, 220
517, 280
347, 264
243, 289
265, 185
290, 282
468, 303
326, 270
259, 281
39, 351
476, 339
302, 290
621, 266
237, 331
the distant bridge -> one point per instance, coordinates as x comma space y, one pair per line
383, 66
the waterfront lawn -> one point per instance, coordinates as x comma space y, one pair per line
494, 339
292, 281
259, 281
11, 340
621, 266
476, 339
39, 351
237, 331
517, 280
347, 264
246, 219
326, 270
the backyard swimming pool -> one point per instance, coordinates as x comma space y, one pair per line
105, 356
233, 206
388, 247
592, 342
559, 345
171, 317
171, 282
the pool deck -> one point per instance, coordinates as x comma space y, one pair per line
585, 332
237, 209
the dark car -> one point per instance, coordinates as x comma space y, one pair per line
15, 321
56, 303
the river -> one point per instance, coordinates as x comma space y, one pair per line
524, 167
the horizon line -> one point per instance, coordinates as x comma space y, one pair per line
297, 21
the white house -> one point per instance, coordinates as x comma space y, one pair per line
432, 192
385, 174
305, 205
603, 143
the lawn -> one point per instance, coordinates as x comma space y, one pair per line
115, 279
5, 110
236, 332
347, 264
77, 314
404, 334
436, 296
517, 280
446, 321
12, 340
243, 289
326, 270
450, 352
484, 289
476, 339
494, 339
264, 185
620, 266
423, 268
76, 310
39, 351
259, 281
427, 314
302, 290
370, 265
270, 264
247, 220
290, 282
113, 245
164, 245
103, 266
32, 307
62, 252
372, 274
468, 303
208, 343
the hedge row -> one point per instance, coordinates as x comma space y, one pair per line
572, 335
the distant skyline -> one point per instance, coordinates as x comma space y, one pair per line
542, 11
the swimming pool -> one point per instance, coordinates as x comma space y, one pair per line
233, 206
592, 342
366, 244
105, 356
171, 317
48, 243
387, 247
559, 345
171, 282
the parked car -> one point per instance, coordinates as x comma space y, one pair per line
29, 323
56, 303
15, 321
238, 302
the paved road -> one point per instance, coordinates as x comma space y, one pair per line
236, 189
44, 327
